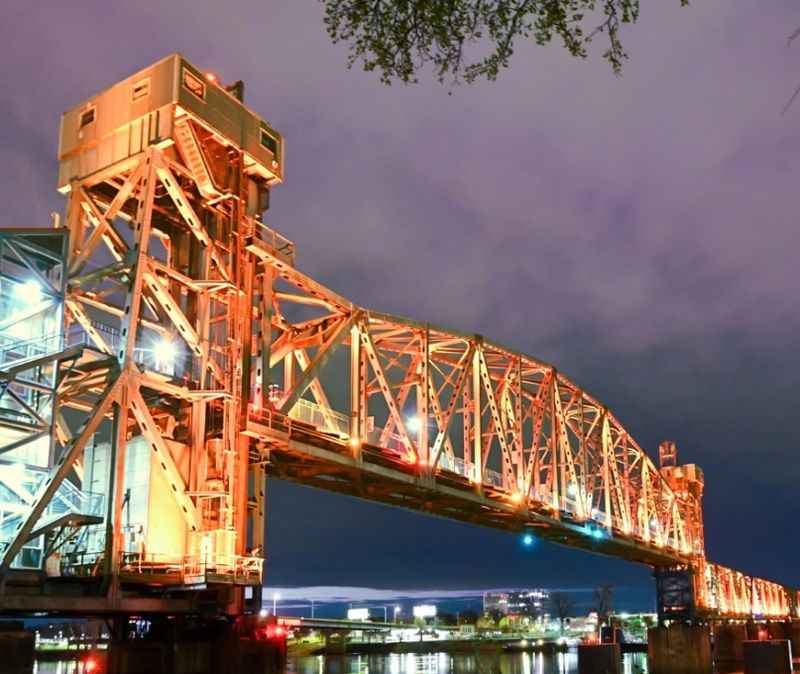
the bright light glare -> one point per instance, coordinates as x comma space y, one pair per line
29, 292
262, 613
413, 424
165, 353
527, 539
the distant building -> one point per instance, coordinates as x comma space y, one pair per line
531, 603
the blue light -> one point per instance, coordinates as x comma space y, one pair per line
595, 532
527, 540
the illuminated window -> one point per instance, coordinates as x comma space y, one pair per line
194, 84
87, 117
269, 142
140, 90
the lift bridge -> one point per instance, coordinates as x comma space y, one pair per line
161, 353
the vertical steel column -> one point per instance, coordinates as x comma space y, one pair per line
358, 391
477, 440
116, 477
263, 379
423, 402
606, 474
555, 447
519, 455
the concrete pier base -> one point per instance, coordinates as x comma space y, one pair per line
679, 649
767, 657
138, 657
786, 630
210, 649
599, 659
728, 653
16, 649
793, 634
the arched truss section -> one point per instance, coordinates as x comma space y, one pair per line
444, 406
168, 326
412, 414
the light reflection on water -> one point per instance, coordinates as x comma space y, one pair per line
444, 663
409, 663
58, 667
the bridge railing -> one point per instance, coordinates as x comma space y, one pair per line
648, 532
313, 414
192, 569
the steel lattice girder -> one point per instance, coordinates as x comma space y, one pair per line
383, 407
124, 293
534, 448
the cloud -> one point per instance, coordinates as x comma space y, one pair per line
337, 594
638, 232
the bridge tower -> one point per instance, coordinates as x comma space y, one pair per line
680, 588
687, 482
129, 356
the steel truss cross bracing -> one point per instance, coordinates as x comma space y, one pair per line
180, 356
458, 426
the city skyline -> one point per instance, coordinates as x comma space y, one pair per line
332, 601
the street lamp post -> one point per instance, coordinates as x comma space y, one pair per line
275, 597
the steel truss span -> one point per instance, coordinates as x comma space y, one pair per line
160, 352
413, 415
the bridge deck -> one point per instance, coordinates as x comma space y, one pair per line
300, 453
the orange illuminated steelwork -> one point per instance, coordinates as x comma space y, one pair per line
201, 347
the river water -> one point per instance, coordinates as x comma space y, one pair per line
446, 663
409, 663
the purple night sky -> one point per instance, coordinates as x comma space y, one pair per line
639, 232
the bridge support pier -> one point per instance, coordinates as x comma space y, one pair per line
767, 657
599, 659
336, 643
679, 649
211, 648
792, 629
728, 653
16, 648
788, 630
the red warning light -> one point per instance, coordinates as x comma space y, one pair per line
90, 666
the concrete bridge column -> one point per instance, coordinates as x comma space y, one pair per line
16, 648
336, 643
599, 659
679, 649
753, 628
210, 648
728, 653
793, 634
767, 657
786, 630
